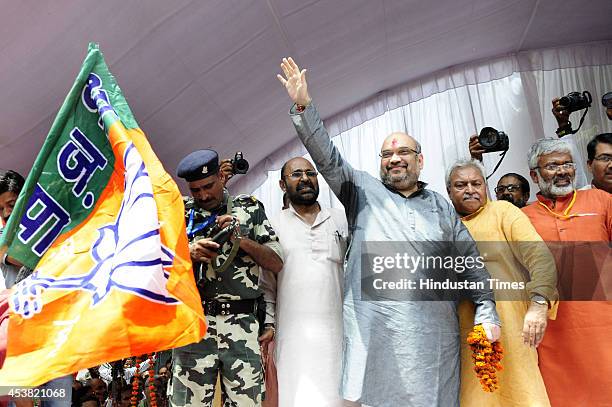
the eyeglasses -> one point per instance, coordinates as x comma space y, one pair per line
606, 158
557, 167
460, 186
297, 174
402, 152
510, 188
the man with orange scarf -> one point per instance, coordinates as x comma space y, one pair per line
575, 361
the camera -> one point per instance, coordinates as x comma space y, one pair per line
223, 235
575, 101
239, 164
606, 100
492, 140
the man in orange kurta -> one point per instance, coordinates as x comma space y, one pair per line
575, 356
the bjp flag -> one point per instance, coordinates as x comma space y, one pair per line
102, 225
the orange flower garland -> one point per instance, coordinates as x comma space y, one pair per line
487, 358
152, 381
135, 384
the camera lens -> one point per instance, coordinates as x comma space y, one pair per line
488, 137
606, 100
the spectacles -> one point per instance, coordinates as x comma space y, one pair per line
402, 152
510, 188
557, 167
606, 158
297, 174
460, 186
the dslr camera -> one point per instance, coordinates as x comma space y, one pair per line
239, 164
575, 101
493, 140
606, 100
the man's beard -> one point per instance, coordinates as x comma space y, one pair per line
519, 203
299, 199
399, 182
549, 189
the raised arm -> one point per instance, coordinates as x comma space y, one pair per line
339, 175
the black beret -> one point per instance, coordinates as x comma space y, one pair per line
198, 165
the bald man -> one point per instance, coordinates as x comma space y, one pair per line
398, 351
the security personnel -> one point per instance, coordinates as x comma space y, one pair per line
227, 276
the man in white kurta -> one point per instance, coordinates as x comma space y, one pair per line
309, 293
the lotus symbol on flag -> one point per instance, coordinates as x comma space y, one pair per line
128, 253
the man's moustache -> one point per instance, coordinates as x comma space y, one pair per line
390, 167
302, 186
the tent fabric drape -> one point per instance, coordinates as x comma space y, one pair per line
512, 93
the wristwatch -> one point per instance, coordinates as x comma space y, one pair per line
538, 299
564, 129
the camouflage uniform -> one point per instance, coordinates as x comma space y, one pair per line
230, 345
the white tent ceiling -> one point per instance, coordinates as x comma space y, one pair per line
201, 74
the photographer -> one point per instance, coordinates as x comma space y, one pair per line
599, 151
598, 148
230, 240
511, 187
562, 108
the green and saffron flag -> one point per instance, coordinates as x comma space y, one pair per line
101, 224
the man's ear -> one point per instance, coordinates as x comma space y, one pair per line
534, 175
282, 185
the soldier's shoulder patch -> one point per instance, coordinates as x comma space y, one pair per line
188, 202
246, 198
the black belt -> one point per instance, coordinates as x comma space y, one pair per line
214, 307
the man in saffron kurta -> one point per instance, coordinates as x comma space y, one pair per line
575, 359
514, 253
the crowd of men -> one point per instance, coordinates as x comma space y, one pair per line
296, 280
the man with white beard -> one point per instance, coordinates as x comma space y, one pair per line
575, 359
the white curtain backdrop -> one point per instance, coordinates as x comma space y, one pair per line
511, 93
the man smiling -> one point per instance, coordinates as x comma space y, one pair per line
578, 219
396, 353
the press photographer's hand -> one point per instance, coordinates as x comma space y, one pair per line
476, 149
227, 169
561, 114
203, 250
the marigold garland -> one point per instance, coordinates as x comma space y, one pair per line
136, 384
152, 392
487, 358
